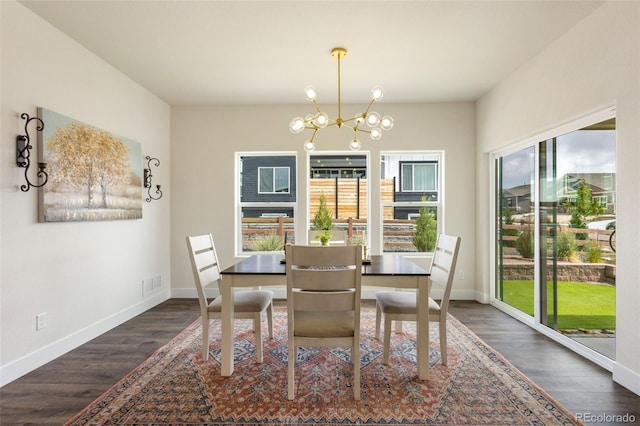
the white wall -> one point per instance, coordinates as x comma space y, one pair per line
86, 276
594, 65
204, 140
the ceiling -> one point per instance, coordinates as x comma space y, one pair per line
266, 52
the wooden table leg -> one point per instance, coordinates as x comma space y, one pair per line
226, 347
422, 328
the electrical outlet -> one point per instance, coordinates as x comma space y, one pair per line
157, 282
41, 321
461, 274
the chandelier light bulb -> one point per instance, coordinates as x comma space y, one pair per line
296, 125
321, 119
376, 134
377, 93
373, 119
386, 123
310, 93
309, 146
355, 145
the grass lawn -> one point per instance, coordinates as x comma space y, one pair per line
580, 305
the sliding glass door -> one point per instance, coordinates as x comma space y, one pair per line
515, 225
561, 227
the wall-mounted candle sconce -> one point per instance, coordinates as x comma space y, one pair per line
23, 153
147, 179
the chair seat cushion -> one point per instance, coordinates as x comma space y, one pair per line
323, 324
402, 302
245, 301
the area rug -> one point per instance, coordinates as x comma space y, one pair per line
175, 385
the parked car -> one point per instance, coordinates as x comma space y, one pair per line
603, 224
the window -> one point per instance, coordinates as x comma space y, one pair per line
266, 201
411, 200
419, 177
273, 179
341, 179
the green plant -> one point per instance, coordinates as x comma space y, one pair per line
271, 242
594, 252
567, 247
524, 243
323, 220
357, 239
582, 208
426, 232
324, 237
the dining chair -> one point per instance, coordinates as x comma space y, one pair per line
323, 303
249, 304
401, 305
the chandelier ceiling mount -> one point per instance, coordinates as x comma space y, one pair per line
320, 119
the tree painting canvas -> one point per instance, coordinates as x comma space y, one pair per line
93, 174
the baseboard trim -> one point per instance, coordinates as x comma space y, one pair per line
38, 358
627, 378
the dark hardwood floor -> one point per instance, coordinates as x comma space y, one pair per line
58, 390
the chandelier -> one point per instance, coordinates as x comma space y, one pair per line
320, 119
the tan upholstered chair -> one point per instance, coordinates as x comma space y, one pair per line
247, 304
323, 303
401, 305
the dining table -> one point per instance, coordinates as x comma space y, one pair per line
266, 270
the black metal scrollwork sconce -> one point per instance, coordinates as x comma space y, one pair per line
147, 179
23, 153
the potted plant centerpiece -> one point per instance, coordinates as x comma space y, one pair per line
323, 222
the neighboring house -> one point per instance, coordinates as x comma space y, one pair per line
268, 179
602, 186
517, 199
414, 180
338, 166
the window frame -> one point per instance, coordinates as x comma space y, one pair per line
334, 172
437, 204
240, 205
413, 183
274, 179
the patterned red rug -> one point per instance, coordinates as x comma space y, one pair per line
175, 386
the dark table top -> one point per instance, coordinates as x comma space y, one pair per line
380, 265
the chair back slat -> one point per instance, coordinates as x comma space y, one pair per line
318, 278
329, 301
443, 266
204, 262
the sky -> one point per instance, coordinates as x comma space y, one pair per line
582, 151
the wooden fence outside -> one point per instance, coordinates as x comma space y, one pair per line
600, 236
398, 234
346, 198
